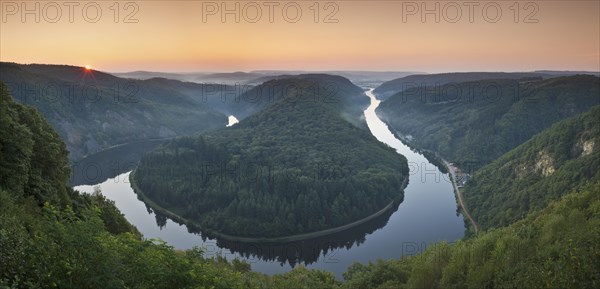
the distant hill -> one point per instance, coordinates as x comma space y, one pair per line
563, 157
411, 82
226, 78
93, 110
245, 100
473, 123
295, 167
222, 98
363, 78
257, 77
143, 75
337, 91
567, 72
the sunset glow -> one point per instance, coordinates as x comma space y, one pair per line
346, 35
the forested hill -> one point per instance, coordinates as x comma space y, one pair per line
243, 100
33, 159
337, 91
558, 160
92, 110
222, 98
539, 206
473, 123
409, 82
53, 237
295, 167
557, 247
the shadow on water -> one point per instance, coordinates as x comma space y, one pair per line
427, 214
304, 252
109, 163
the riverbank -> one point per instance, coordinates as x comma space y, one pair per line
122, 145
444, 167
426, 215
459, 197
283, 239
431, 156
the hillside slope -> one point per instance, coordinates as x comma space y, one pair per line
473, 123
559, 159
558, 247
295, 167
410, 82
333, 90
92, 110
54, 237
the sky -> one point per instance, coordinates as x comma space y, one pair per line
188, 36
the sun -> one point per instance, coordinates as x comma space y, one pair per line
87, 67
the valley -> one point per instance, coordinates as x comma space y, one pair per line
275, 133
299, 144
392, 234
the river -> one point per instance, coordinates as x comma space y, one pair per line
428, 214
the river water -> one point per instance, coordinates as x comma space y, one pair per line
428, 214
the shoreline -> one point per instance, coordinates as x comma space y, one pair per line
123, 144
459, 197
442, 163
282, 239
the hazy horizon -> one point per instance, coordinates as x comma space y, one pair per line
201, 36
133, 70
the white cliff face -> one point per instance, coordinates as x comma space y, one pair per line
587, 147
544, 164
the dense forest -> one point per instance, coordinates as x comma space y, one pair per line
473, 123
54, 237
554, 162
93, 110
295, 167
557, 247
332, 90
410, 82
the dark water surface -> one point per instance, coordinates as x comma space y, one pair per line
427, 215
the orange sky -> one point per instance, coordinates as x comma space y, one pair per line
369, 35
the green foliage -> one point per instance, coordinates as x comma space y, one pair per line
83, 241
94, 110
558, 247
302, 278
54, 237
57, 248
114, 221
408, 83
561, 158
473, 123
295, 167
348, 99
32, 156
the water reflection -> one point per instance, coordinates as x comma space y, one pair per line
110, 171
115, 186
301, 252
427, 214
109, 163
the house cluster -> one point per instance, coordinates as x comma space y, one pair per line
461, 177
